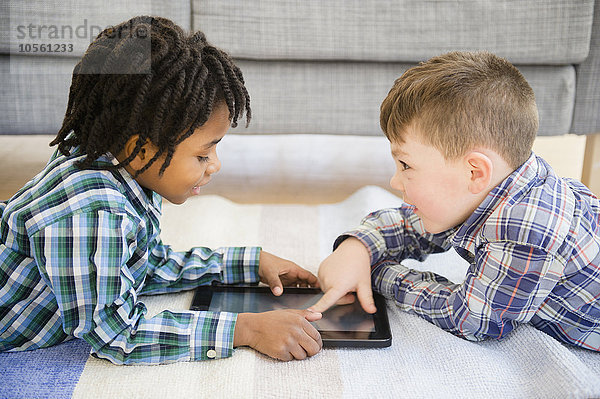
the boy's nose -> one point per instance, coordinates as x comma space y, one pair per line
214, 166
396, 184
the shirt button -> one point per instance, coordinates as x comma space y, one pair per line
211, 353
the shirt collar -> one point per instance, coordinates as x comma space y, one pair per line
146, 199
509, 191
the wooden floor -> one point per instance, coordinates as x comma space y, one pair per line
21, 157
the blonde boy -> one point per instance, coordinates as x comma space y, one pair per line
461, 128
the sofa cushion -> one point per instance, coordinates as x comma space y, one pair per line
33, 97
344, 98
525, 32
77, 22
286, 97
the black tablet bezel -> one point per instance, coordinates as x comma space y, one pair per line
380, 338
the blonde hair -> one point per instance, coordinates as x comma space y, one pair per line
462, 100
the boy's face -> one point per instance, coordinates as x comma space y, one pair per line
193, 162
436, 187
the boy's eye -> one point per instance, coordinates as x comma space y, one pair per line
404, 165
202, 159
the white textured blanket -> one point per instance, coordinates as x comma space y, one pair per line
423, 361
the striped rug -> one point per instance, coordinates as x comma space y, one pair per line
422, 362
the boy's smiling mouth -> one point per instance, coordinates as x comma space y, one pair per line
196, 189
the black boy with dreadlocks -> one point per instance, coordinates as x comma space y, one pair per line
80, 242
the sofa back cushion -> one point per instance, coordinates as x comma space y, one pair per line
525, 32
75, 23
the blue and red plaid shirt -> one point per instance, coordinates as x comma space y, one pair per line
79, 247
534, 251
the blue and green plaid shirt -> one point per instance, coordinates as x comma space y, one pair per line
79, 247
534, 251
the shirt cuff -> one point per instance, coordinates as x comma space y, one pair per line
212, 337
370, 239
240, 265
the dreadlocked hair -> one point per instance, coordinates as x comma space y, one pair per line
184, 78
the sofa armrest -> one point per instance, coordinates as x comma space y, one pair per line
586, 115
590, 174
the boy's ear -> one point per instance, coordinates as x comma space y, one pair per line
141, 158
480, 168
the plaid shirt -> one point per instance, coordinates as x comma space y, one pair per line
79, 247
534, 251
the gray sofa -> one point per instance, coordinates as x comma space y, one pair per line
317, 71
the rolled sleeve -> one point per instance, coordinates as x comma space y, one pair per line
396, 234
370, 238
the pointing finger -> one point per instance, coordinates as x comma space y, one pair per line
328, 299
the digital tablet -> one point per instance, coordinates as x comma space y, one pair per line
341, 326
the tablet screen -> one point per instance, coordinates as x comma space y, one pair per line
344, 325
338, 318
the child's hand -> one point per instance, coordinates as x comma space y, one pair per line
282, 334
346, 270
276, 272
